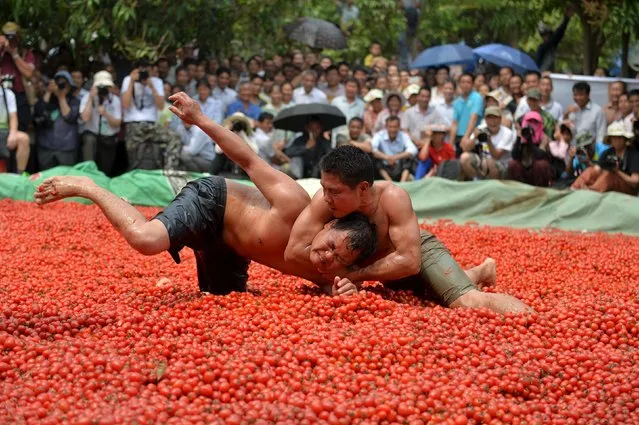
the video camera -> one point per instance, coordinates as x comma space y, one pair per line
482, 138
527, 135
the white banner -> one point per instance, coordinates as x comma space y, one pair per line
562, 87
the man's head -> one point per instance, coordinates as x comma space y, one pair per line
614, 91
442, 75
326, 62
423, 97
360, 74
78, 78
514, 84
504, 75
332, 76
347, 175
162, 65
466, 83
351, 88
533, 98
191, 67
308, 80
634, 101
393, 126
237, 62
375, 49
265, 122
355, 127
310, 59
245, 92
344, 70
203, 89
624, 104
223, 75
10, 33
545, 87
493, 119
257, 82
581, 94
314, 126
253, 65
298, 59
343, 242
532, 79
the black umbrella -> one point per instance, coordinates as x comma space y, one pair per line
296, 117
317, 33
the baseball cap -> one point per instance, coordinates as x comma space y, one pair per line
493, 111
411, 90
534, 93
373, 95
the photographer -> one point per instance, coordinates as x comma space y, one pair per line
11, 139
102, 113
20, 64
530, 162
487, 152
56, 120
617, 169
142, 101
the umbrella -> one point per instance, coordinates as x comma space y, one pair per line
447, 54
317, 33
296, 117
503, 55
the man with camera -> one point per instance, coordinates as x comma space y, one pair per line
617, 169
19, 64
55, 117
530, 161
142, 101
102, 113
487, 152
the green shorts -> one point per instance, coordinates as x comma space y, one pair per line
440, 278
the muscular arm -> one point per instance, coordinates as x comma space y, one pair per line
405, 237
308, 224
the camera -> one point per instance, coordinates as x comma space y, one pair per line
144, 75
12, 39
609, 162
7, 81
62, 84
482, 138
103, 94
527, 135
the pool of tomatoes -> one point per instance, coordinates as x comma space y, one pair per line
93, 333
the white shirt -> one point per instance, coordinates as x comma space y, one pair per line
11, 105
629, 122
446, 111
227, 96
504, 139
350, 109
415, 121
264, 144
555, 109
98, 124
142, 102
300, 97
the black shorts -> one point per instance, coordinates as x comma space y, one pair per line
195, 219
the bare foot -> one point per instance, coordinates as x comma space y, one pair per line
484, 275
60, 187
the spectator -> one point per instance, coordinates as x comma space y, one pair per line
418, 117
308, 148
349, 103
547, 50
310, 60
634, 115
257, 82
480, 80
611, 110
468, 110
618, 167
182, 79
531, 82
562, 151
287, 94
394, 103
530, 161
275, 105
492, 99
374, 101
349, 14
394, 151
374, 52
56, 119
533, 104
241, 125
434, 151
101, 112
20, 64
344, 71
356, 136
493, 82
583, 154
404, 80
308, 93
243, 103
142, 101
223, 92
587, 115
446, 109
625, 107
488, 150
516, 94
78, 78
549, 105
441, 77
410, 94
263, 137
381, 83
505, 73
162, 65
360, 74
333, 86
12, 139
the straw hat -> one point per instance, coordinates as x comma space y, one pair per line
239, 117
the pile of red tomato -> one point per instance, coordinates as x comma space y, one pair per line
93, 333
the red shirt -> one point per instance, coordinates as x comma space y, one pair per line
8, 66
444, 153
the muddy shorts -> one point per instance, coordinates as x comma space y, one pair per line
440, 278
195, 219
479, 164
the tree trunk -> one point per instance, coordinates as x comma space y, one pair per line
593, 43
625, 46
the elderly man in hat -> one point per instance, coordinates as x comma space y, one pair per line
101, 110
56, 119
19, 64
617, 169
487, 152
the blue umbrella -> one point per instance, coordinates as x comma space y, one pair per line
503, 55
447, 54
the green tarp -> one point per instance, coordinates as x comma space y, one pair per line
492, 203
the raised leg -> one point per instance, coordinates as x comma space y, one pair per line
146, 237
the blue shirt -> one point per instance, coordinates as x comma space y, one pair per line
464, 108
402, 143
252, 112
600, 148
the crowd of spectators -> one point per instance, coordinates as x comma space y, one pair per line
415, 123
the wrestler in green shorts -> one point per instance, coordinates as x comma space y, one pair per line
440, 278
